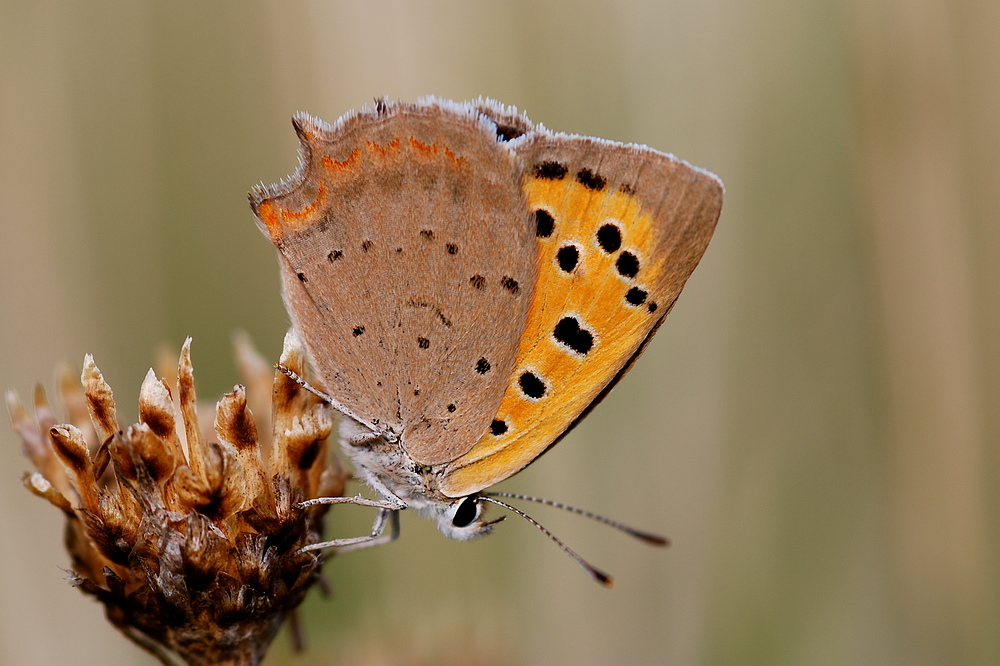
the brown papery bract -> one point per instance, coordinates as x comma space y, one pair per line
190, 538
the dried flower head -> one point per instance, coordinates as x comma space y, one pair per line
190, 538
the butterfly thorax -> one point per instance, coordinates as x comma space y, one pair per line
383, 464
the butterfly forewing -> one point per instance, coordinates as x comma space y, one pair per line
619, 229
408, 254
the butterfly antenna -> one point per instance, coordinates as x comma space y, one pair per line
653, 539
594, 572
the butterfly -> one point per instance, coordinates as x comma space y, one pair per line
469, 285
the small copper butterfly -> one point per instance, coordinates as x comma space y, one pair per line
469, 285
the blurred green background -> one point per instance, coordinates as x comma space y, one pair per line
815, 427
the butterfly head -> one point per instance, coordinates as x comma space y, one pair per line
382, 461
462, 519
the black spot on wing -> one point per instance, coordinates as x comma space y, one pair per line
569, 333
510, 284
545, 224
609, 238
627, 265
590, 180
531, 385
636, 296
567, 257
550, 170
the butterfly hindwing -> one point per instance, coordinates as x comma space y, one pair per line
391, 237
619, 229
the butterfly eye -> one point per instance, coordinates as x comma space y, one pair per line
466, 513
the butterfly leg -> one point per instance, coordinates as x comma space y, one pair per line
388, 514
378, 536
298, 379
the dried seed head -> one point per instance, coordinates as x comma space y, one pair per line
191, 540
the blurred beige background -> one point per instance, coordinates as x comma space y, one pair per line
815, 427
